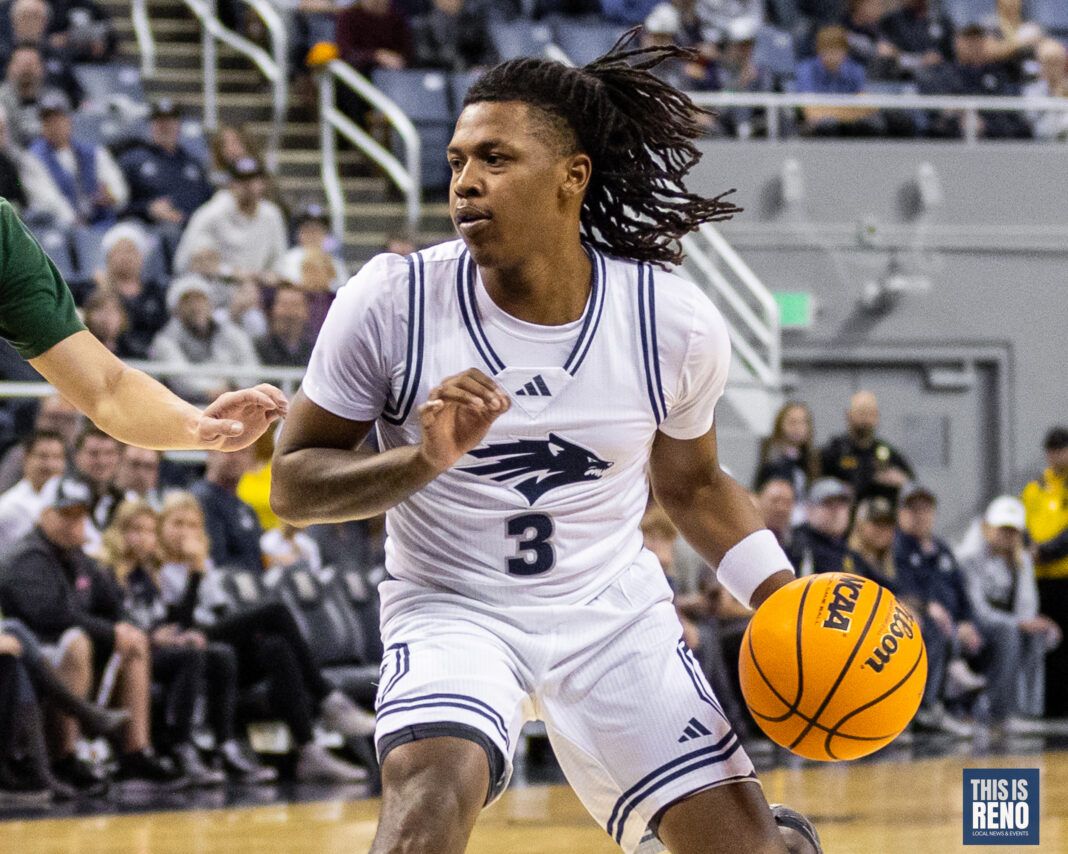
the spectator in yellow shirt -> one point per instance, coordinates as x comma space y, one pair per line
1046, 503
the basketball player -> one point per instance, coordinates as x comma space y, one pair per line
38, 318
528, 382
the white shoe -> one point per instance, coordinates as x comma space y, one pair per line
961, 679
1024, 726
317, 765
939, 720
342, 715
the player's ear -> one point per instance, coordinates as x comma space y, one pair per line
579, 168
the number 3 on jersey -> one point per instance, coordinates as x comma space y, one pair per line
535, 553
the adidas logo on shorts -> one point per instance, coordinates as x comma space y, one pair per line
694, 729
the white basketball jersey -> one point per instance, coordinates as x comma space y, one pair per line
548, 506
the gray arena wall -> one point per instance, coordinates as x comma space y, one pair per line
938, 273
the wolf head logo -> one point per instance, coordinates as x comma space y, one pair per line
538, 464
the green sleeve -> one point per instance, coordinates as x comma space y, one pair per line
36, 306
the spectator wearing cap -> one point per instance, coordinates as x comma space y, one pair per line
1001, 585
370, 35
49, 584
86, 175
930, 581
973, 72
166, 182
832, 72
872, 540
919, 37
289, 340
45, 458
145, 302
1046, 504
245, 231
860, 457
194, 336
820, 543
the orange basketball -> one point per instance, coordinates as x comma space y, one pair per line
832, 666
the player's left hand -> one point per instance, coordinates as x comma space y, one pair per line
236, 419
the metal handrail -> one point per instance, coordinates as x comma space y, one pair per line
756, 333
273, 65
288, 378
406, 176
970, 106
274, 68
146, 43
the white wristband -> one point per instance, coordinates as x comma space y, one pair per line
749, 563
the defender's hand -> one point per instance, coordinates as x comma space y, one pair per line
236, 419
457, 415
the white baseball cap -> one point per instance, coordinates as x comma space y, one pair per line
1006, 511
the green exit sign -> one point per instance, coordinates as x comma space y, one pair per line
795, 309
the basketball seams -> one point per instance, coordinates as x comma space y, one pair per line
833, 731
845, 668
815, 739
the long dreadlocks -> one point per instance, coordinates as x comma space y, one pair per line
638, 132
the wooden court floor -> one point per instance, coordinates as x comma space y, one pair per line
877, 808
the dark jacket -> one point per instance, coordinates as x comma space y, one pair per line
233, 529
844, 459
153, 173
933, 576
52, 589
813, 551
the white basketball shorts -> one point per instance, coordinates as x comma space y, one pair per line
630, 716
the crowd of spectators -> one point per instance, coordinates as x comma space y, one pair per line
992, 607
841, 48
116, 619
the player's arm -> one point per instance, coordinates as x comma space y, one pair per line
138, 410
715, 515
319, 475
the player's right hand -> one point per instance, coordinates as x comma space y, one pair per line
458, 414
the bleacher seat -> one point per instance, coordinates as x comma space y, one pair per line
331, 629
964, 12
1051, 14
105, 84
243, 589
56, 245
512, 39
458, 86
424, 98
88, 251
584, 42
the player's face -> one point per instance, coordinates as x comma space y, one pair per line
507, 197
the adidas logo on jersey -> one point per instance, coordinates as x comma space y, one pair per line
694, 729
535, 388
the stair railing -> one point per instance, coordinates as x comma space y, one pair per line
748, 307
273, 65
406, 176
